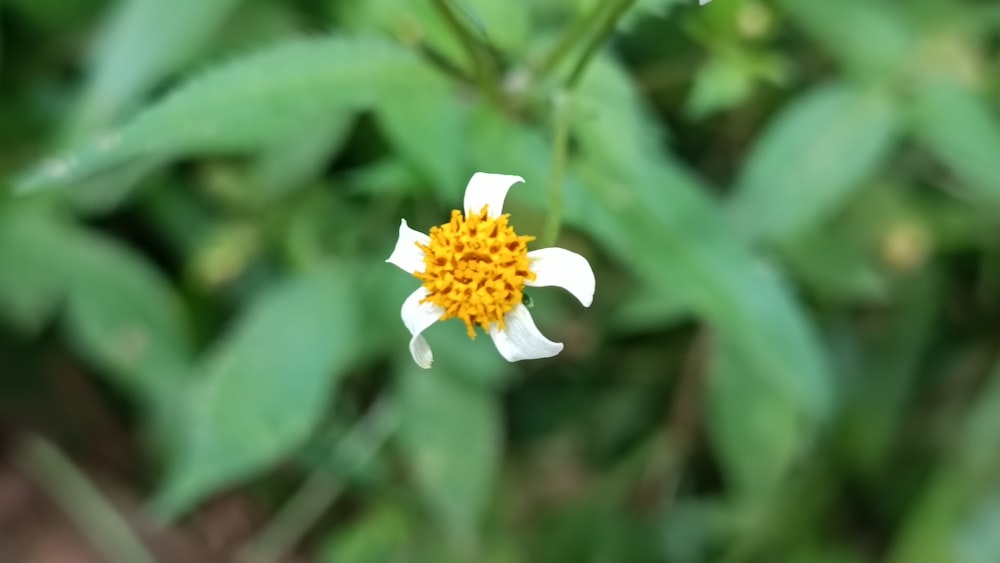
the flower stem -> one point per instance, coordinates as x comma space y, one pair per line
560, 145
607, 29
570, 39
486, 72
608, 19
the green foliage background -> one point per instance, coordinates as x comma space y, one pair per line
790, 206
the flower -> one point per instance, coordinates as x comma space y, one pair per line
475, 268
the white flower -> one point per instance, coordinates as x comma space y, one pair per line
475, 268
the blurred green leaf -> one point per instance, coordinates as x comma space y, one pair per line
810, 159
262, 389
501, 25
426, 124
377, 537
979, 541
290, 162
649, 307
730, 78
870, 38
139, 48
963, 131
125, 317
834, 265
966, 473
54, 14
756, 432
720, 84
244, 105
884, 384
34, 280
412, 23
592, 530
690, 527
450, 432
121, 314
642, 9
99, 195
718, 22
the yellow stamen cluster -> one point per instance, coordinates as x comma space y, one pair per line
476, 267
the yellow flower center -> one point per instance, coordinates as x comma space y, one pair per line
476, 267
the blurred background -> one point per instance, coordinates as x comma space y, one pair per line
790, 207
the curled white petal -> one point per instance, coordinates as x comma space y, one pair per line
520, 338
407, 255
565, 269
703, 2
417, 317
490, 190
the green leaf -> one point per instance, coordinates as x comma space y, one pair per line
756, 433
965, 473
963, 131
978, 541
125, 317
501, 25
811, 158
426, 125
869, 38
648, 307
450, 431
291, 162
643, 9
415, 23
120, 313
721, 83
263, 388
833, 265
379, 536
33, 281
139, 47
244, 105
884, 378
53, 16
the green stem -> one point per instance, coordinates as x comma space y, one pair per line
320, 489
486, 72
607, 29
82, 502
570, 39
560, 146
562, 101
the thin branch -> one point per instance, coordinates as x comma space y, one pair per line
570, 40
82, 502
486, 72
602, 36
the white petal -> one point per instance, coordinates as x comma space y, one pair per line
417, 317
520, 338
565, 269
407, 255
488, 189
703, 2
